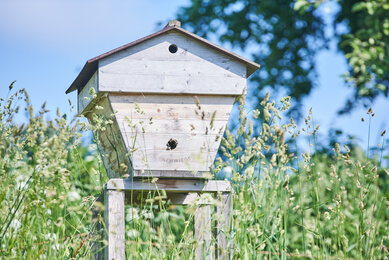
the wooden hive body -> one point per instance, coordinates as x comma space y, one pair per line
167, 111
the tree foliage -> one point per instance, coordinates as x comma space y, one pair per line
282, 40
284, 36
365, 46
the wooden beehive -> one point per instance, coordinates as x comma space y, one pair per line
167, 96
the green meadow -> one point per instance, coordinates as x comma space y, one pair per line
294, 197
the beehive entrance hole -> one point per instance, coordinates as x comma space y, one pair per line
171, 144
173, 48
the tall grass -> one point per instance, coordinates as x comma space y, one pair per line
47, 183
287, 203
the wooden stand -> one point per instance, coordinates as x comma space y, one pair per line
179, 192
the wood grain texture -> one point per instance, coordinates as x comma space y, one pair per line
180, 107
169, 161
161, 126
202, 222
84, 97
150, 68
156, 49
111, 145
223, 229
171, 174
171, 185
114, 224
148, 122
169, 99
193, 143
143, 198
178, 192
96, 234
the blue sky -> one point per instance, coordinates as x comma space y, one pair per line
45, 43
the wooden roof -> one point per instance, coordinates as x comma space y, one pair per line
91, 65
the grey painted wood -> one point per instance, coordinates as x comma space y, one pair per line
157, 125
178, 192
202, 222
110, 142
91, 64
172, 185
114, 224
96, 235
148, 122
171, 174
84, 97
170, 99
223, 229
188, 50
173, 198
149, 67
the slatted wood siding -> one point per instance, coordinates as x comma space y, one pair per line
150, 68
84, 97
110, 142
148, 122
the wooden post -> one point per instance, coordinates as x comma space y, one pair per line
202, 221
224, 213
96, 231
114, 224
179, 192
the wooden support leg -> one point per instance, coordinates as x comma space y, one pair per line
96, 232
202, 221
224, 213
114, 224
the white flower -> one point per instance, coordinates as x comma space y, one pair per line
51, 236
15, 224
147, 214
21, 181
132, 233
73, 196
132, 213
55, 247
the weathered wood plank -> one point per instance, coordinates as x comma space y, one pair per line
151, 68
181, 126
224, 214
150, 160
170, 99
96, 235
172, 111
202, 222
173, 185
141, 198
84, 97
111, 144
114, 224
170, 174
184, 142
173, 117
156, 49
171, 66
171, 84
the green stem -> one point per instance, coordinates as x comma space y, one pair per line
368, 138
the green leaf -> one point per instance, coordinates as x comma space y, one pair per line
358, 7
301, 5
